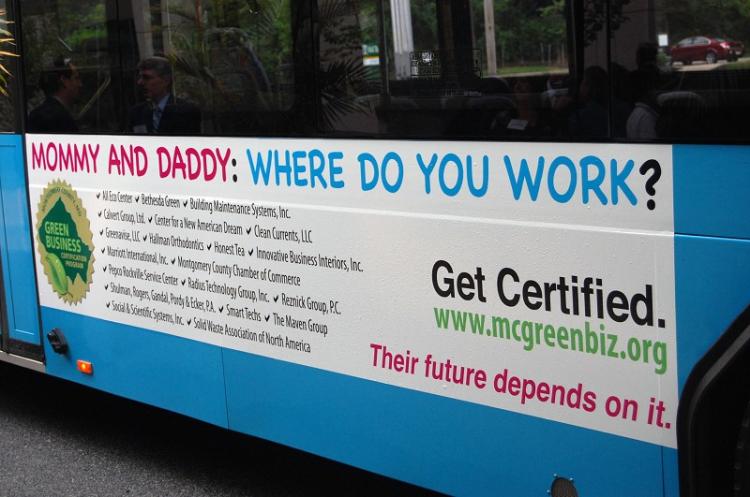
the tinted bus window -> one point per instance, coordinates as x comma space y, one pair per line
213, 67
231, 60
7, 81
69, 65
683, 69
453, 68
420, 68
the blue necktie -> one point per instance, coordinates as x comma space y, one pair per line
156, 117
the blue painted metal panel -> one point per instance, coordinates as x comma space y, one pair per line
713, 288
711, 190
712, 198
15, 240
671, 473
173, 373
440, 443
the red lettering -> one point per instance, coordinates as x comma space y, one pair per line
193, 164
37, 157
178, 163
114, 160
164, 157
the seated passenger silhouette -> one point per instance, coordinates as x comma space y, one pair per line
61, 84
644, 82
589, 116
162, 113
641, 123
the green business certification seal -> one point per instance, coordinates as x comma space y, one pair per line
65, 241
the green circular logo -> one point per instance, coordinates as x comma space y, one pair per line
65, 242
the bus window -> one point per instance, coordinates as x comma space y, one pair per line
348, 73
233, 60
211, 67
684, 69
69, 65
454, 68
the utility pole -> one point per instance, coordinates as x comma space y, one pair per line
489, 36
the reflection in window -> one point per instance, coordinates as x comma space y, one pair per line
683, 70
7, 72
348, 73
231, 58
434, 68
68, 66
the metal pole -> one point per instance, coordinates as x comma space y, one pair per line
403, 39
489, 37
383, 52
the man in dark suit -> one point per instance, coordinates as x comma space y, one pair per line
61, 85
162, 113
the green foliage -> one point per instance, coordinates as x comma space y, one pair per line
524, 27
724, 18
76, 29
743, 65
81, 36
6, 51
424, 22
82, 23
528, 69
526, 31
368, 21
217, 42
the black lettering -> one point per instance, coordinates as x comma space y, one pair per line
617, 301
513, 301
532, 290
443, 292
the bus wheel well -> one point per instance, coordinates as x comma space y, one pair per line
711, 413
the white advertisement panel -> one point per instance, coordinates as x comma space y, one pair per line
536, 278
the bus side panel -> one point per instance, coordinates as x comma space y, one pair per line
671, 473
712, 272
713, 288
447, 445
173, 373
712, 195
16, 253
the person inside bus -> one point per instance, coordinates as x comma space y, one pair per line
589, 118
162, 112
61, 84
528, 119
644, 81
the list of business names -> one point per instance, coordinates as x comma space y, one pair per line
244, 271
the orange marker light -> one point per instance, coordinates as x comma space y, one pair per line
85, 367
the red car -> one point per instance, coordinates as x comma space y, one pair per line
707, 49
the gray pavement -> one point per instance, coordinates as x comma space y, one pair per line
58, 439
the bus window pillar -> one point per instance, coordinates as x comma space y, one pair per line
456, 41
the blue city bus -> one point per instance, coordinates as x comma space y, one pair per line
485, 247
